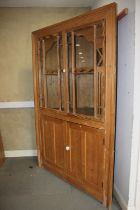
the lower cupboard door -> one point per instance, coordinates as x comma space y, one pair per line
86, 158
93, 157
75, 153
53, 134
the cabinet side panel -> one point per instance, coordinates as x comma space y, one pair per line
36, 97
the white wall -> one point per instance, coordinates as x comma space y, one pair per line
134, 185
125, 84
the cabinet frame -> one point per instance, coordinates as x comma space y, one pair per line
108, 13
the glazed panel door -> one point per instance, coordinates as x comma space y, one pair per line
86, 67
51, 75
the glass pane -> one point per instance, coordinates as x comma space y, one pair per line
84, 95
51, 75
69, 47
40, 67
60, 67
51, 72
84, 65
52, 92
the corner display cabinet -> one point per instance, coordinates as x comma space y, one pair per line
74, 70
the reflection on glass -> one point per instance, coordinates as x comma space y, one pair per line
51, 75
60, 72
85, 61
51, 72
69, 47
86, 70
84, 65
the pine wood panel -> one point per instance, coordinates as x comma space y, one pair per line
86, 155
75, 165
60, 138
53, 141
48, 140
93, 157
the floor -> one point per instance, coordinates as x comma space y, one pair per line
24, 186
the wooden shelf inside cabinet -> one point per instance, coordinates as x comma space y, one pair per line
49, 71
84, 71
77, 71
51, 74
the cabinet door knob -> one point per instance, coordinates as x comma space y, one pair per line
67, 148
64, 70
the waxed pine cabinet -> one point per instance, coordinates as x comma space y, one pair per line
74, 71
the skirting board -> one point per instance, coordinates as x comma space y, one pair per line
117, 194
20, 153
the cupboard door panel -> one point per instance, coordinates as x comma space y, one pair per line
48, 139
53, 141
59, 132
80, 156
86, 155
94, 154
75, 153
